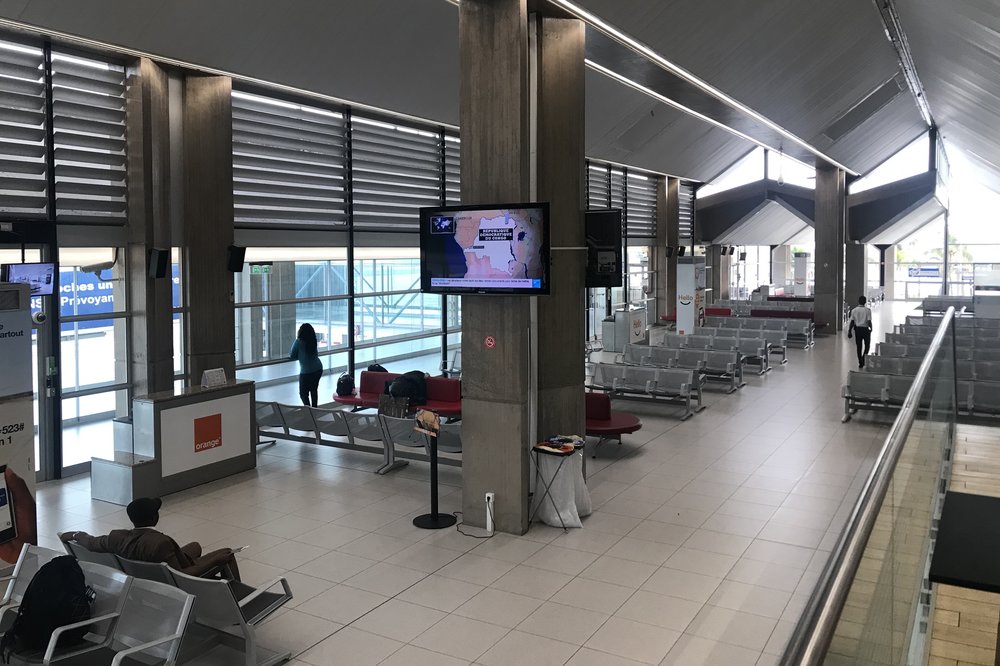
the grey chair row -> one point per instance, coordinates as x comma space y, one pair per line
222, 605
724, 366
890, 365
754, 351
961, 323
777, 339
344, 429
673, 385
133, 620
964, 350
876, 391
801, 330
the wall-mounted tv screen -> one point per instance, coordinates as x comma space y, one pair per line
490, 249
39, 277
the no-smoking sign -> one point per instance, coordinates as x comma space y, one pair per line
489, 342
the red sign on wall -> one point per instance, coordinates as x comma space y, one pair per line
207, 433
489, 342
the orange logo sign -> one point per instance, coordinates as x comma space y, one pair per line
207, 433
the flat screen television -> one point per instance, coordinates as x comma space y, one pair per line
39, 277
488, 249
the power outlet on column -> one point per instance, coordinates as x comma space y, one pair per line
490, 508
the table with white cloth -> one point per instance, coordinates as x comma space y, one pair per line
560, 497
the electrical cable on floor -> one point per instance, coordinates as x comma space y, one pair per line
458, 525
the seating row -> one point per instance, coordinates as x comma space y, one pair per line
725, 366
797, 329
942, 303
657, 384
960, 322
222, 605
870, 390
972, 354
776, 339
985, 342
132, 621
924, 334
752, 350
323, 423
444, 395
983, 370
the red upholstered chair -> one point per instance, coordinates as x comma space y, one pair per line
605, 423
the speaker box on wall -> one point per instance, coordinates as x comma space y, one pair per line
743, 256
159, 259
604, 248
680, 251
234, 258
670, 250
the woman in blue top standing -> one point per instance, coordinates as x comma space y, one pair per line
304, 350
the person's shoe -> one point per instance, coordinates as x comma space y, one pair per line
861, 366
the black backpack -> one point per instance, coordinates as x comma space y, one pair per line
375, 367
345, 385
56, 596
410, 385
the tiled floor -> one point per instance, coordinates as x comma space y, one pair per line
706, 541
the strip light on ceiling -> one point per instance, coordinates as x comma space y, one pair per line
637, 46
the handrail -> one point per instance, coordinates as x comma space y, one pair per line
812, 636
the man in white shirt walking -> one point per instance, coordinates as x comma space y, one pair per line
861, 327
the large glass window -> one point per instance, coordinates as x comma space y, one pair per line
748, 169
919, 266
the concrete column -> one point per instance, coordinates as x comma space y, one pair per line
888, 261
151, 355
831, 221
781, 266
208, 224
535, 370
672, 221
719, 260
659, 256
855, 271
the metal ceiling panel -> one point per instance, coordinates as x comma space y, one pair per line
955, 47
772, 223
881, 136
801, 64
398, 55
626, 126
908, 223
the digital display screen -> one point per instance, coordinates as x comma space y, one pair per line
501, 249
40, 278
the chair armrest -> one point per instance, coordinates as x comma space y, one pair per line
143, 647
54, 640
885, 395
264, 588
845, 391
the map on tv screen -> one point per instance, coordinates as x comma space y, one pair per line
487, 249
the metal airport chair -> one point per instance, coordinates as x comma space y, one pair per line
154, 571
634, 354
986, 398
28, 563
330, 422
297, 417
662, 357
366, 427
83, 555
219, 611
268, 416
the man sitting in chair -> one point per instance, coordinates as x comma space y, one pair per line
145, 544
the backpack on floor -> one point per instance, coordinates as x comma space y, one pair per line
57, 595
345, 385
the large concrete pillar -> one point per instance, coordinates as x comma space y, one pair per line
887, 270
659, 256
151, 348
529, 146
671, 219
855, 271
208, 224
719, 260
831, 221
781, 266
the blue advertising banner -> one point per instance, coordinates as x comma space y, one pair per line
924, 271
87, 294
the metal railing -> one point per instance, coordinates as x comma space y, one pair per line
810, 642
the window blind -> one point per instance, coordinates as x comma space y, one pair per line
686, 212
289, 164
641, 220
396, 169
618, 195
598, 194
22, 131
452, 170
88, 119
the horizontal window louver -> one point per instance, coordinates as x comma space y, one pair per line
396, 170
598, 195
22, 131
452, 170
88, 115
289, 164
686, 210
641, 217
618, 189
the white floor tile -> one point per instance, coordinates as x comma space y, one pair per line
659, 609
399, 620
532, 582
364, 648
385, 579
342, 604
619, 572
592, 595
518, 648
461, 637
505, 609
565, 623
633, 640
443, 594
